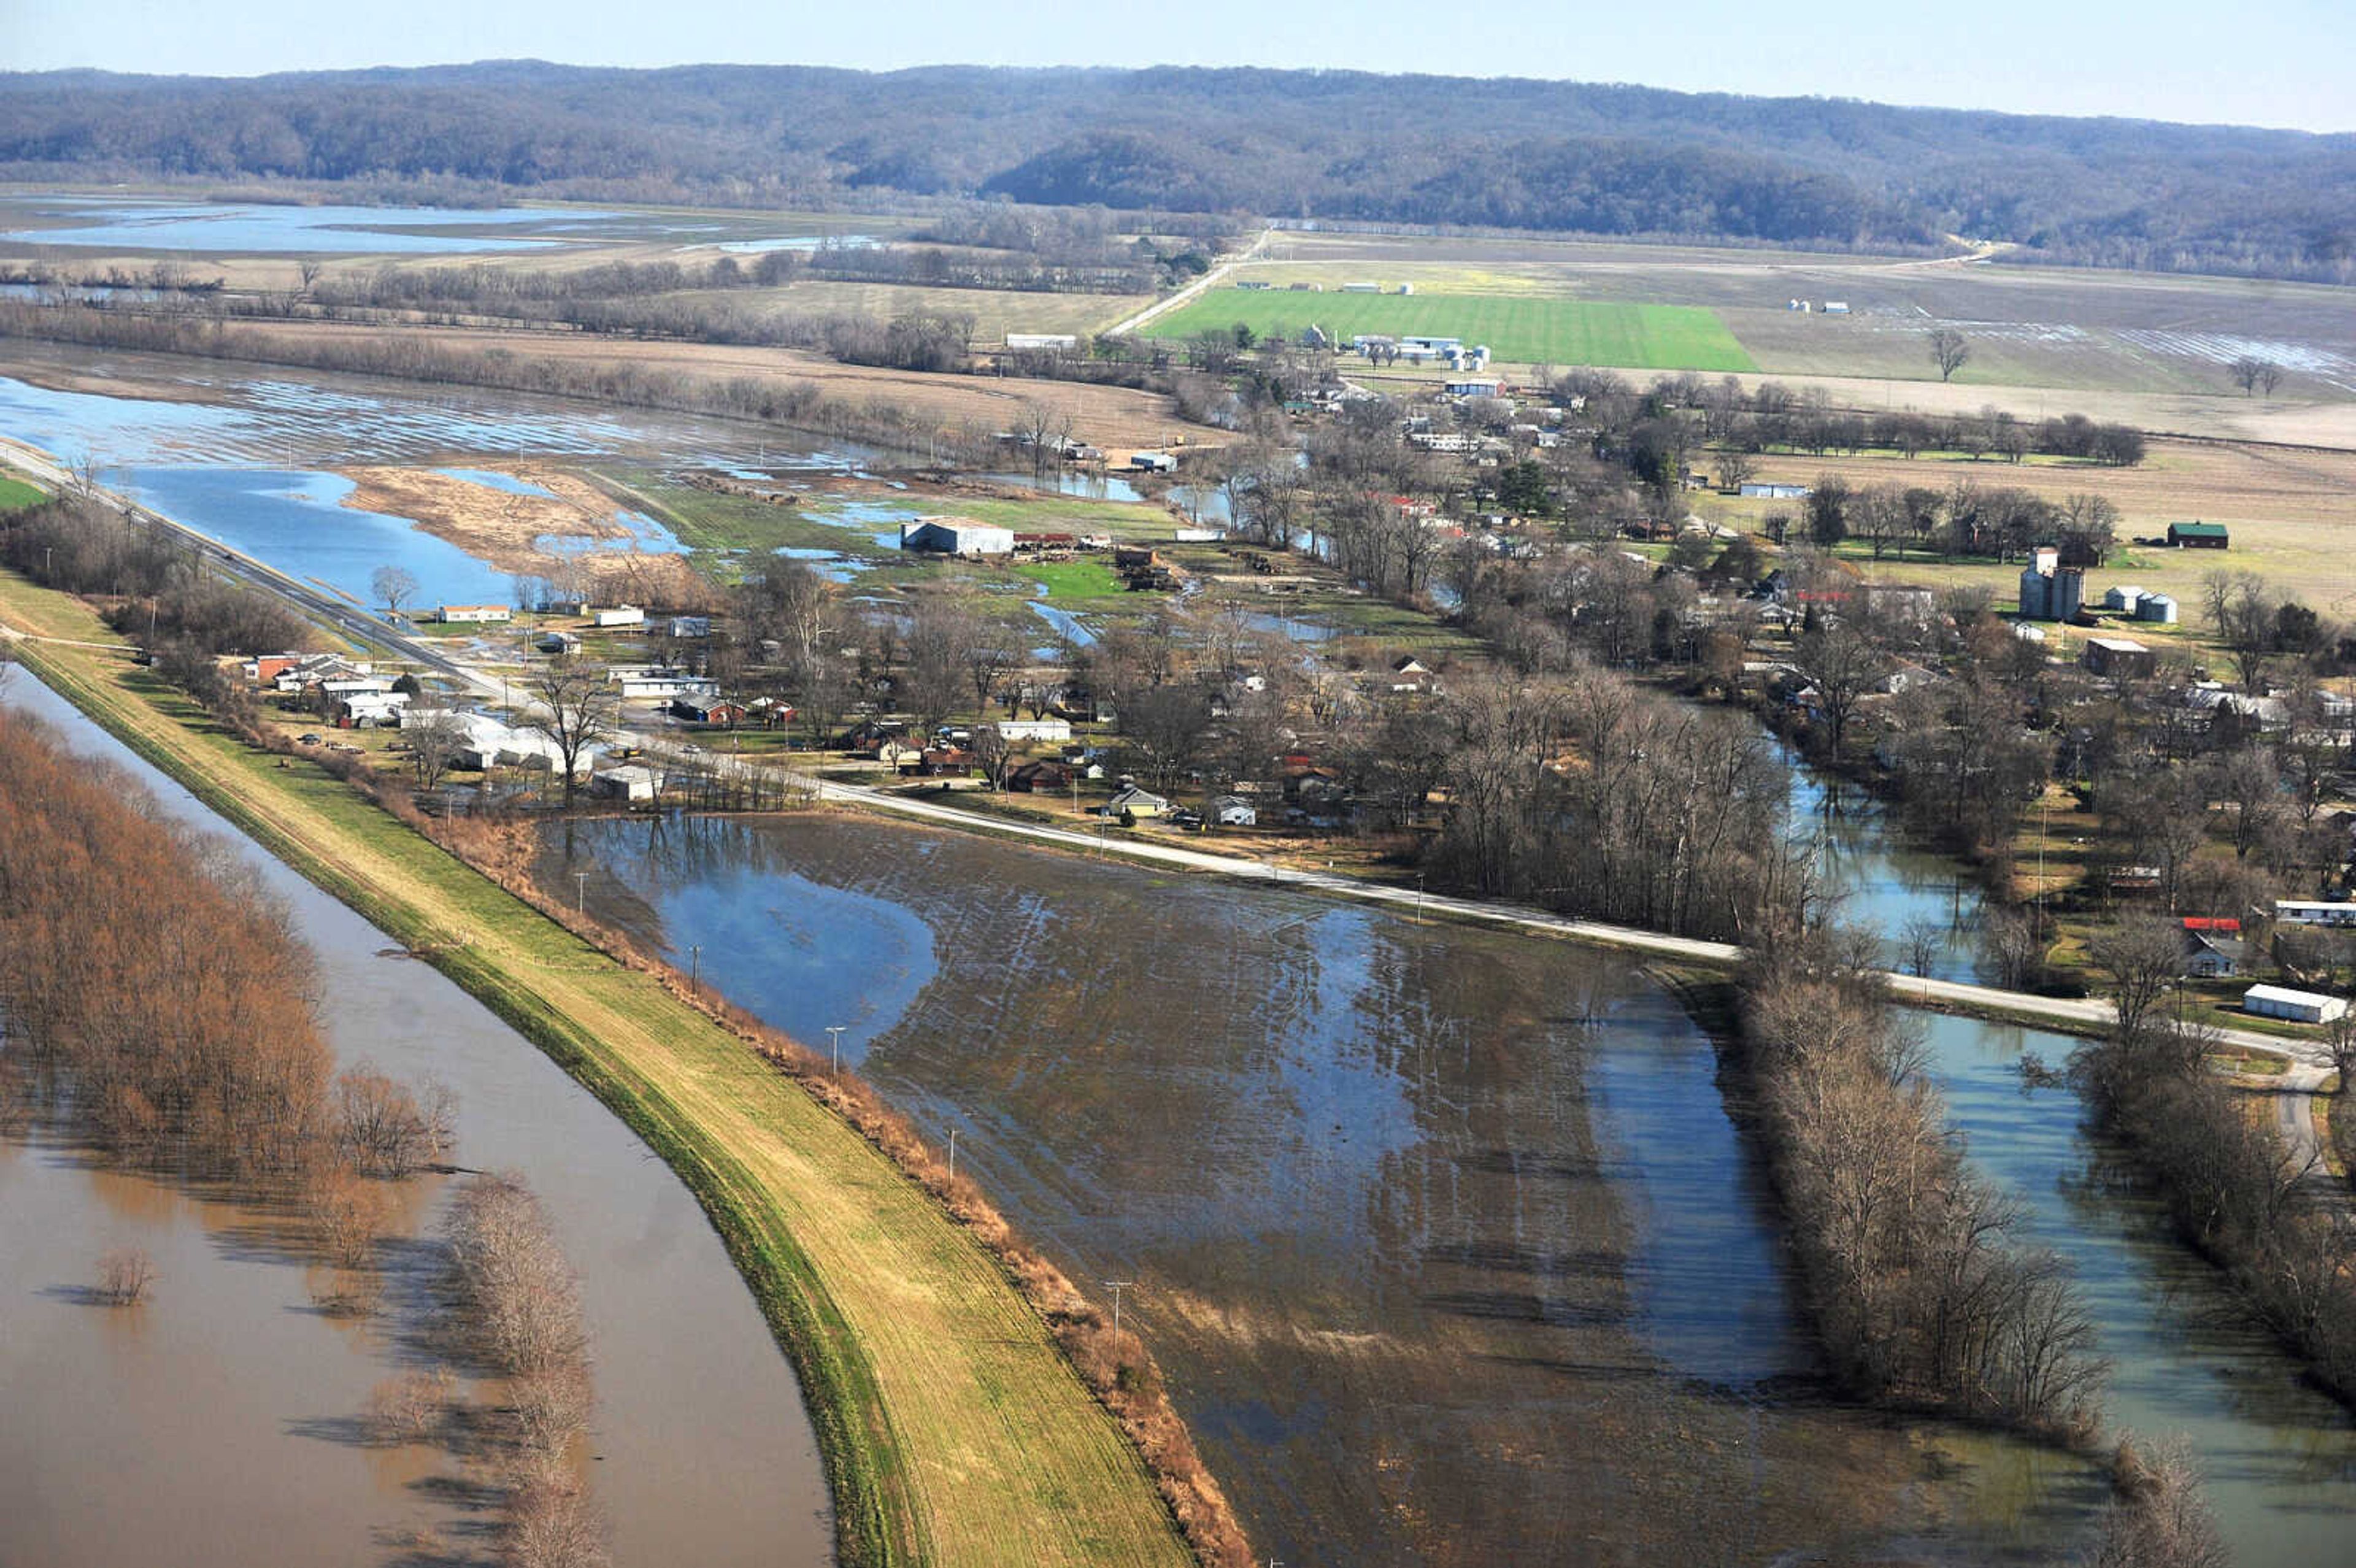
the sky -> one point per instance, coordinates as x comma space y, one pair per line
2260, 62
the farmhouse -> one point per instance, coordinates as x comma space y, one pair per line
2212, 948
473, 615
2299, 1007
2199, 535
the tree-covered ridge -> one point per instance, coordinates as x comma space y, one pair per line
1356, 146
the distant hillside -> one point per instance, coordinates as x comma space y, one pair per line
1403, 149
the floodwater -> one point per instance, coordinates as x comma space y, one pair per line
1443, 1238
214, 1425
2280, 1457
1879, 881
254, 466
150, 223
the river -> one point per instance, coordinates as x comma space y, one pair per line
216, 1424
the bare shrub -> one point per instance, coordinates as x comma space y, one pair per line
409, 1407
124, 1277
2160, 1518
552, 1522
384, 1128
548, 1408
518, 1303
347, 1213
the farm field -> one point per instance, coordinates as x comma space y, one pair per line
2032, 328
995, 311
1518, 330
2293, 515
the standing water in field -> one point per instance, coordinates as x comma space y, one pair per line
1443, 1237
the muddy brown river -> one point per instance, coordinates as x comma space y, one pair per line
215, 1424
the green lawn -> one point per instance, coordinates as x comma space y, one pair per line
1518, 330
1072, 579
15, 495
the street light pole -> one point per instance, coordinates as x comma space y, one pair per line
834, 1033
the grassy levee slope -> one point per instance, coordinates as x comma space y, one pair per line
955, 1431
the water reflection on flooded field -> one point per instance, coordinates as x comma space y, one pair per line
1444, 1239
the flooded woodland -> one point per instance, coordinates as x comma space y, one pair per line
233, 1404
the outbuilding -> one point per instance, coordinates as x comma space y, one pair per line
2116, 658
2299, 1007
622, 616
2199, 535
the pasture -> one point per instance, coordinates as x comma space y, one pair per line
1522, 329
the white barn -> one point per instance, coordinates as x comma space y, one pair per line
2299, 1007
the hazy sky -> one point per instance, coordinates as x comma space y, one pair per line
2264, 62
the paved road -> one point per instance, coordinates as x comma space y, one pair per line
1207, 280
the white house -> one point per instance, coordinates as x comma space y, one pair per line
661, 685
1056, 729
2313, 911
2299, 1007
473, 615
622, 616
1234, 811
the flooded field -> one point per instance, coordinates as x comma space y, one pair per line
217, 1424
256, 462
150, 223
1445, 1238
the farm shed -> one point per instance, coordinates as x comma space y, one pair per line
2199, 535
2116, 657
2299, 1007
631, 783
2313, 911
955, 536
622, 616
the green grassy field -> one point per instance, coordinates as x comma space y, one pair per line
15, 495
1523, 330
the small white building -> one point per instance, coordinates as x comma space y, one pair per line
1234, 811
955, 536
2313, 911
1837, 307
631, 783
690, 625
1471, 387
1036, 342
661, 685
1055, 729
473, 615
2299, 1007
622, 616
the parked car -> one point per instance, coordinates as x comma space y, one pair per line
1187, 819
308, 739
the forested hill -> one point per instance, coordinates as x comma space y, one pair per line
1407, 149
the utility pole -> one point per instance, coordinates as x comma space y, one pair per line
695, 966
581, 892
952, 1154
834, 1033
1419, 898
1117, 1285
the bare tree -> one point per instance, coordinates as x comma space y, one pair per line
434, 742
2252, 374
124, 1277
1949, 351
2161, 1521
2143, 959
2340, 1039
393, 586
1843, 666
1921, 939
992, 754
576, 707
